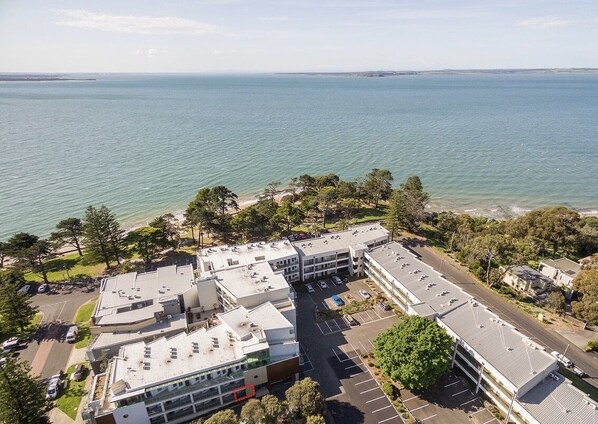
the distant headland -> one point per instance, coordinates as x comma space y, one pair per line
379, 74
40, 77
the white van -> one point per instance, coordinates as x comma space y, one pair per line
71, 334
25, 289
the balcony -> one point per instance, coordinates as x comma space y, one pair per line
174, 404
181, 413
206, 394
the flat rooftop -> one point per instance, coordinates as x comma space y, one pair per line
529, 274
556, 401
250, 280
144, 365
501, 345
359, 235
133, 297
223, 257
564, 265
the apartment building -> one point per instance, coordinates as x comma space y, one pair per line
508, 367
338, 253
176, 379
526, 280
280, 255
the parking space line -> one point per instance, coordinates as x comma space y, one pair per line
375, 399
451, 384
369, 390
352, 366
364, 381
326, 322
388, 419
490, 421
353, 375
469, 401
371, 343
458, 393
412, 397
381, 409
419, 407
364, 349
479, 410
427, 418
339, 359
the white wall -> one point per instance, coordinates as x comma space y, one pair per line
206, 293
132, 414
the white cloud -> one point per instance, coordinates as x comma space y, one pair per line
545, 22
165, 25
217, 52
151, 53
274, 18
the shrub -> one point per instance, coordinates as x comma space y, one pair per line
388, 389
593, 346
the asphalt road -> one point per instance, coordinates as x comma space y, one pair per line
519, 319
59, 307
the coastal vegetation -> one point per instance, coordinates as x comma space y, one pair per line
16, 310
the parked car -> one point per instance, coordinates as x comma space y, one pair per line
336, 280
25, 289
349, 319
579, 372
562, 358
11, 345
384, 305
310, 288
323, 284
79, 372
336, 299
71, 334
365, 294
53, 387
43, 288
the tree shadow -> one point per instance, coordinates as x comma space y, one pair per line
344, 412
178, 258
60, 264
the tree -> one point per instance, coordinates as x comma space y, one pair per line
224, 199
22, 397
147, 242
167, 223
304, 397
202, 211
377, 185
416, 351
315, 419
556, 302
273, 409
586, 284
70, 231
272, 190
411, 202
16, 310
3, 253
252, 412
325, 198
102, 234
288, 215
226, 416
31, 251
395, 212
307, 183
487, 249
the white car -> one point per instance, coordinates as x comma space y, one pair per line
323, 284
364, 294
310, 288
43, 288
53, 387
25, 289
337, 280
562, 358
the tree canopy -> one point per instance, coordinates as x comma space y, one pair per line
22, 397
30, 251
69, 231
226, 416
104, 239
304, 397
16, 310
586, 284
416, 351
378, 185
147, 242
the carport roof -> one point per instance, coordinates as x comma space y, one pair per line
556, 401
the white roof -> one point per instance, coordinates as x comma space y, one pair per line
250, 280
118, 294
342, 240
556, 401
145, 365
223, 257
503, 347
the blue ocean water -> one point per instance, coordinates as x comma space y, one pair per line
144, 144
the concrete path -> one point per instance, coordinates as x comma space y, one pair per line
41, 356
59, 417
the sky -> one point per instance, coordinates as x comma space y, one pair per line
212, 36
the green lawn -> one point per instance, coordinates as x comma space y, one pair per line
34, 323
77, 266
70, 398
82, 320
580, 383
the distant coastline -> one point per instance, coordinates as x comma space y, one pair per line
40, 78
380, 74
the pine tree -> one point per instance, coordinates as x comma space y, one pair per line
103, 235
22, 398
16, 311
70, 231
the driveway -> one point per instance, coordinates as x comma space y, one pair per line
47, 352
510, 313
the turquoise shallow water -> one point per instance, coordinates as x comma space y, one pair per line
143, 144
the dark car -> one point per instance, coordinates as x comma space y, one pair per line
79, 372
384, 306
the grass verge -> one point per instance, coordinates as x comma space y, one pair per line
82, 320
66, 267
68, 402
580, 383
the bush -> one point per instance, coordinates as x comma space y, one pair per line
388, 389
592, 346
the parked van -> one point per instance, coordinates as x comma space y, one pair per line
71, 334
